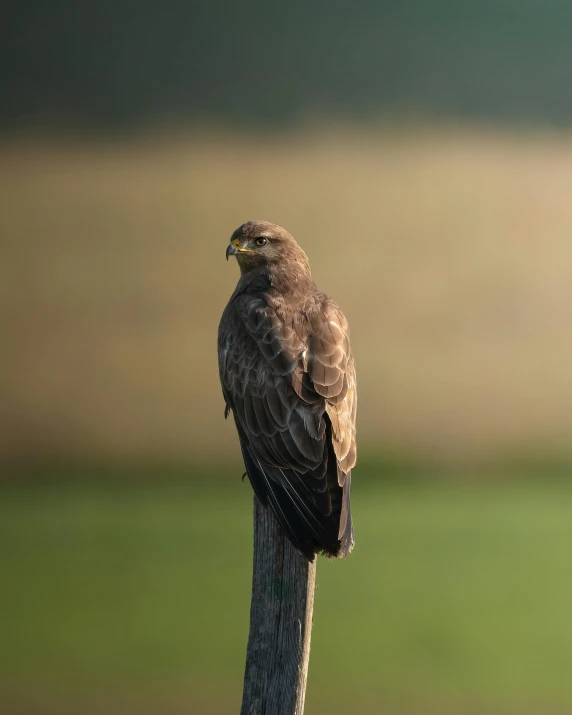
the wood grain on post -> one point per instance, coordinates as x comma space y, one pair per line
278, 650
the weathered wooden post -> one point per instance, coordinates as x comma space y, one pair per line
278, 649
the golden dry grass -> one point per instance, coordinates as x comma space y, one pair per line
450, 252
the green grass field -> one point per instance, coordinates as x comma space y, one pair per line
120, 598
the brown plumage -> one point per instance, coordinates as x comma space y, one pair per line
288, 376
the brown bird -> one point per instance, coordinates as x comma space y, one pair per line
288, 376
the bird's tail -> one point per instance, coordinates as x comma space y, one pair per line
346, 530
313, 522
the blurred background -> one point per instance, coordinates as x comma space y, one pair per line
421, 153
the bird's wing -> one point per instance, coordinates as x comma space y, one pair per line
331, 369
291, 386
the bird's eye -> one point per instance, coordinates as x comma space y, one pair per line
261, 241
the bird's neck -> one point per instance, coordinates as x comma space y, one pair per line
293, 281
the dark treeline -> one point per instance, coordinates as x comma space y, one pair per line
112, 63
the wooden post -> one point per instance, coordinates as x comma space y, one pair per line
278, 649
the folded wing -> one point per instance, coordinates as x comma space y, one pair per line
290, 383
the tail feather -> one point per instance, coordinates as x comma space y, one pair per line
346, 531
287, 512
312, 521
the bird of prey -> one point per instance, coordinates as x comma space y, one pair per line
288, 376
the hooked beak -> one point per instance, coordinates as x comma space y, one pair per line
234, 249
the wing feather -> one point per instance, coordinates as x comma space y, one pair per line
290, 382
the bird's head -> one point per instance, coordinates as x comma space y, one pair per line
259, 244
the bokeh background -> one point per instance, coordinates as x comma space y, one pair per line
422, 155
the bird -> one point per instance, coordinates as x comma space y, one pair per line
288, 377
